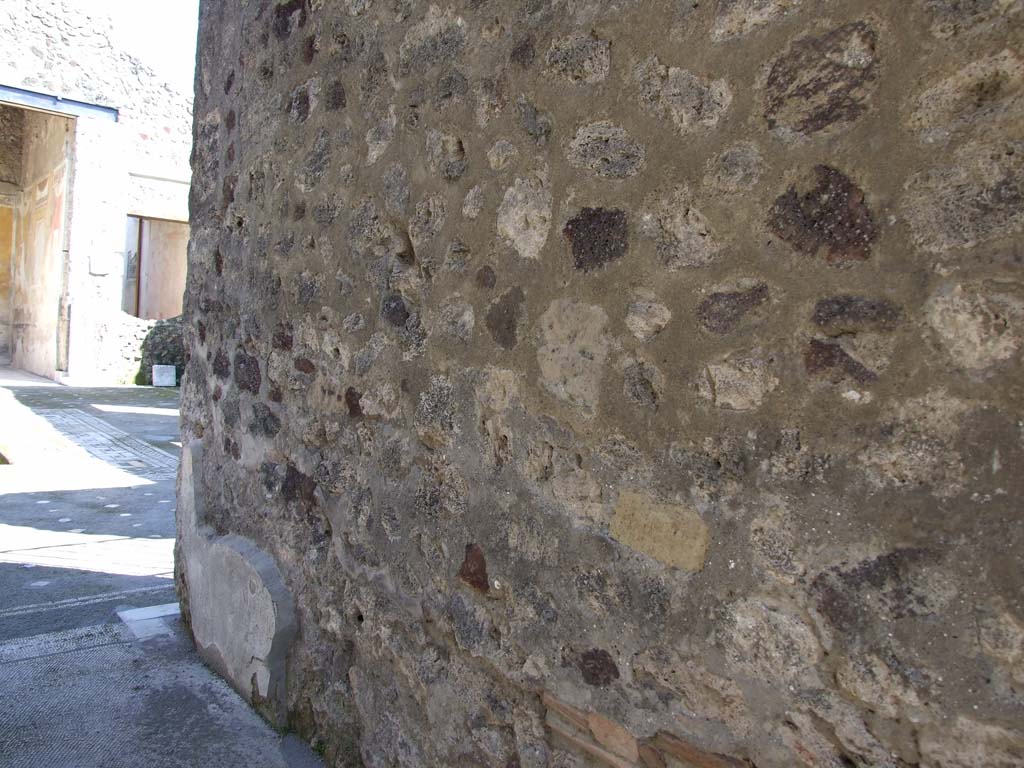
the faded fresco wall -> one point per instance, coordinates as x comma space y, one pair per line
164, 265
6, 252
38, 271
615, 383
11, 130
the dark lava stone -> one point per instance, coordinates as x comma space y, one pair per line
393, 310
598, 236
597, 667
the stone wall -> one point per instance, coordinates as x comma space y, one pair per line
11, 129
163, 346
617, 383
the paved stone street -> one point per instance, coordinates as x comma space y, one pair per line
95, 667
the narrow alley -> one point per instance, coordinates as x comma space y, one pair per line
95, 666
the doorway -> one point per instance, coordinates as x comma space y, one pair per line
155, 265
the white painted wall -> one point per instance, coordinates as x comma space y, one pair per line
164, 266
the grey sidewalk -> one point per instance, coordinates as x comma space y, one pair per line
86, 541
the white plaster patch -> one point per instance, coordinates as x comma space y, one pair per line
979, 325
524, 216
646, 316
683, 236
573, 351
379, 137
740, 382
691, 102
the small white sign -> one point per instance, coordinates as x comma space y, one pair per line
164, 376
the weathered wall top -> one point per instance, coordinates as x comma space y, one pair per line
55, 47
11, 137
621, 383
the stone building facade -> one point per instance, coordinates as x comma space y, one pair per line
94, 178
615, 383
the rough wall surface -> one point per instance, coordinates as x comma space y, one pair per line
621, 383
163, 345
11, 129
